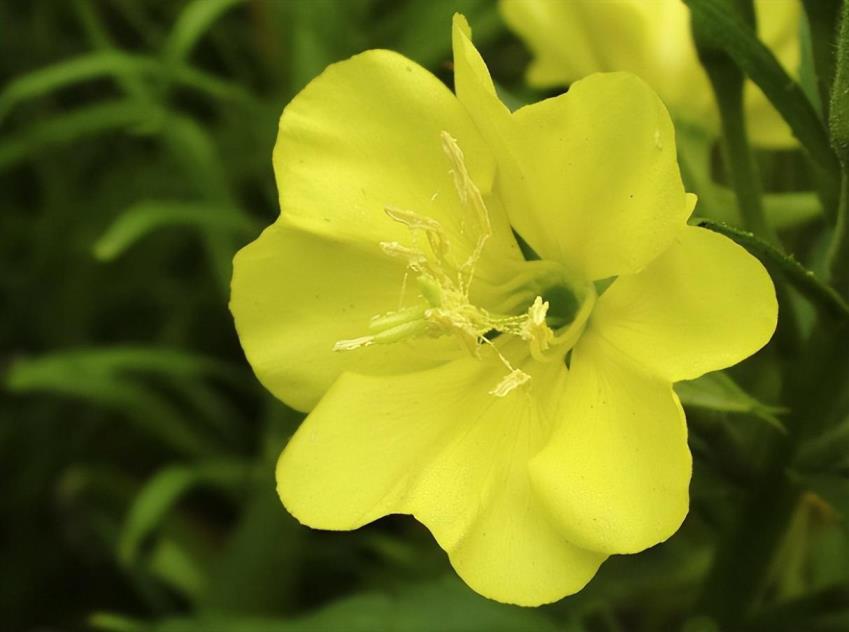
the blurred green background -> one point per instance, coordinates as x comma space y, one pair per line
137, 448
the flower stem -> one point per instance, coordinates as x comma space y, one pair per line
822, 17
741, 167
838, 124
838, 256
727, 81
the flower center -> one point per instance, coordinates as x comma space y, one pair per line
538, 306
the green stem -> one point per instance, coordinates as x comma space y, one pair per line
839, 131
721, 31
822, 18
727, 81
740, 164
838, 256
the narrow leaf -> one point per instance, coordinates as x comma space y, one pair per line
195, 19
145, 217
718, 392
111, 379
71, 71
67, 127
120, 66
110, 622
164, 490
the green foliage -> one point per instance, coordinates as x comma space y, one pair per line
139, 451
144, 217
410, 609
721, 29
719, 393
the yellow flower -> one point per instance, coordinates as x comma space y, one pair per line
651, 38
391, 300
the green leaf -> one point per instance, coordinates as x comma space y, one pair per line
121, 114
820, 294
110, 362
111, 378
718, 392
162, 492
827, 450
726, 32
121, 66
71, 71
195, 19
146, 217
834, 489
445, 605
215, 87
258, 570
174, 565
99, 37
110, 622
194, 148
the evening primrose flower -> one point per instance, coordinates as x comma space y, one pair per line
651, 38
488, 389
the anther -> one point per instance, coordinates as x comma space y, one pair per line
510, 382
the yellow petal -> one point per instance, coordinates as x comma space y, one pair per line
601, 168
438, 446
588, 178
616, 472
575, 38
366, 134
570, 40
703, 305
295, 294
476, 92
650, 39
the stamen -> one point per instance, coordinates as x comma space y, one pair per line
510, 382
430, 289
469, 194
400, 332
432, 229
535, 330
399, 250
444, 306
382, 322
353, 343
